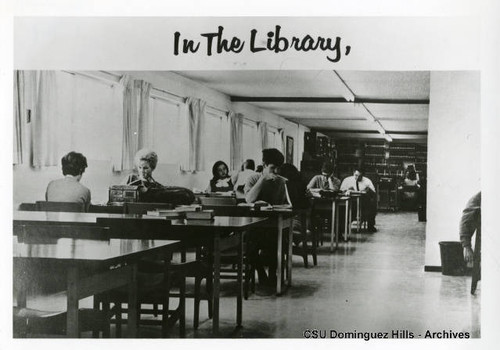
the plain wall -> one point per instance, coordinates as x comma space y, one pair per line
30, 183
453, 163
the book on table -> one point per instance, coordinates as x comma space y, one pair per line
200, 215
167, 213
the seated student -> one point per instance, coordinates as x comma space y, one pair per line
69, 189
145, 162
221, 181
240, 178
358, 182
325, 181
149, 189
269, 187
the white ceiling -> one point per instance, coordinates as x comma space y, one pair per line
402, 119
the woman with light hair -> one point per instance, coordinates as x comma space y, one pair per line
145, 162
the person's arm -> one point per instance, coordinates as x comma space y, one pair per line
345, 185
253, 188
313, 183
469, 224
335, 183
209, 188
370, 185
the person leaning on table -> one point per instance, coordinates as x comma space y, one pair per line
269, 187
358, 182
69, 188
325, 181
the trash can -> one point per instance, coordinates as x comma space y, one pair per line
452, 258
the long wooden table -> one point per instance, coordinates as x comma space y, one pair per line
86, 263
214, 232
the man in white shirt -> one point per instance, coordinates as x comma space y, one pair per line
358, 182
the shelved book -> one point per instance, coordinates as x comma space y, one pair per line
200, 215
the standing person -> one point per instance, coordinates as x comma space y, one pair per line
240, 178
221, 181
69, 188
358, 182
470, 223
325, 181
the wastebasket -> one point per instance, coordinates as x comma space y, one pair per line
452, 258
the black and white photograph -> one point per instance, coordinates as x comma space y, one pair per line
279, 177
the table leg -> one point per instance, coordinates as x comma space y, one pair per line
358, 213
216, 284
333, 226
72, 325
279, 255
132, 304
347, 223
290, 251
239, 301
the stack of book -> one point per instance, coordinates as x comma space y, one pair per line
200, 215
166, 213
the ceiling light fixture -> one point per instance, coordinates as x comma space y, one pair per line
346, 93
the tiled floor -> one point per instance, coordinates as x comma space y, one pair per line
374, 283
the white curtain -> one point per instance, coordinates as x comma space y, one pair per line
145, 134
236, 137
136, 133
197, 109
44, 121
19, 116
281, 140
262, 129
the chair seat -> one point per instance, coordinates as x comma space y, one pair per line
33, 321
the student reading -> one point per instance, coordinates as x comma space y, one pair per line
325, 181
69, 188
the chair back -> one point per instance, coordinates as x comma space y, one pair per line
27, 207
60, 206
47, 233
213, 201
108, 209
136, 228
142, 208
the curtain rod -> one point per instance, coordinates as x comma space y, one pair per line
115, 78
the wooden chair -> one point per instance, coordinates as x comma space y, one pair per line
143, 208
27, 207
60, 206
213, 201
108, 209
198, 268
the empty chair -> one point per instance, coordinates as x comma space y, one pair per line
199, 269
31, 322
218, 201
60, 206
27, 207
143, 208
108, 209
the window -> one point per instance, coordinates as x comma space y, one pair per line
170, 133
216, 140
251, 143
89, 116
